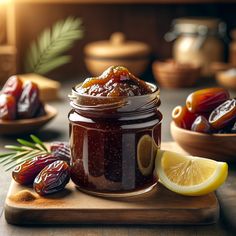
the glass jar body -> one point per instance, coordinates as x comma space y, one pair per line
107, 156
186, 48
199, 41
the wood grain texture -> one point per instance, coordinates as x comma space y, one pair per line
169, 75
159, 206
73, 207
226, 195
10, 21
8, 55
125, 1
216, 146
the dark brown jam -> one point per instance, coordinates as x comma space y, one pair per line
114, 139
116, 81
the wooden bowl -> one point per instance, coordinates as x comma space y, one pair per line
171, 74
116, 51
220, 147
27, 125
219, 66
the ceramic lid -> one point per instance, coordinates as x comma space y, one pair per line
117, 47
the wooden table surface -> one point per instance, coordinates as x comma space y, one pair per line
58, 130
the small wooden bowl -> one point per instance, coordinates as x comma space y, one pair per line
220, 147
219, 66
226, 80
117, 50
27, 125
171, 74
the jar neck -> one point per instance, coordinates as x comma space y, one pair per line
202, 31
115, 113
113, 107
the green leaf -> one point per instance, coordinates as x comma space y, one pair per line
19, 154
45, 54
7, 158
25, 158
16, 148
6, 154
38, 141
52, 64
26, 143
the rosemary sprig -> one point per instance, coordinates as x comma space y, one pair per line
27, 150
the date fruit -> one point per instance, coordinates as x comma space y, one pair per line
41, 110
201, 125
223, 115
206, 100
7, 107
26, 172
29, 102
52, 178
61, 150
233, 128
182, 117
13, 87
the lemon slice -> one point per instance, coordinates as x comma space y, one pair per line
189, 175
146, 153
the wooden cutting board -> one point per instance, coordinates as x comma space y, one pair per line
160, 206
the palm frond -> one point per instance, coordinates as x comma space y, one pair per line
45, 54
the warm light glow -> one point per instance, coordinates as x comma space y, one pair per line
4, 1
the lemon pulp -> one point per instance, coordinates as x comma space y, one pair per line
189, 175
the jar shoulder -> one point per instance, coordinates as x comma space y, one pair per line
142, 120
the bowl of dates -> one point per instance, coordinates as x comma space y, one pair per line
206, 124
21, 109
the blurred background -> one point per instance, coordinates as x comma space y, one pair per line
178, 44
22, 21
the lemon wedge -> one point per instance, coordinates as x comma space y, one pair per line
189, 175
146, 151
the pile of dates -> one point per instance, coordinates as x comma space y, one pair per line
20, 101
207, 111
47, 173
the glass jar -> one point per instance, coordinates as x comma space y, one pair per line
114, 142
199, 41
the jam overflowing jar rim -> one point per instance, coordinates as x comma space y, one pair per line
113, 105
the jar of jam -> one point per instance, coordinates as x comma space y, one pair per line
115, 131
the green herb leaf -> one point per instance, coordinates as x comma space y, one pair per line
19, 154
26, 143
16, 148
15, 157
44, 55
6, 154
38, 141
26, 158
7, 158
54, 63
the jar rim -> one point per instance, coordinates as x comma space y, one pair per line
120, 104
154, 88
